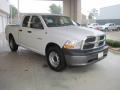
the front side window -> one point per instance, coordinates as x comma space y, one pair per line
57, 21
25, 21
36, 23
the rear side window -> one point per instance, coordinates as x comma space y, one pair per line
25, 21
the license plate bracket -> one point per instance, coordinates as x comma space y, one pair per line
100, 55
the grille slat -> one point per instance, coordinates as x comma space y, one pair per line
101, 43
94, 42
88, 46
102, 37
90, 39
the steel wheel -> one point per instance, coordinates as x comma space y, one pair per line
55, 58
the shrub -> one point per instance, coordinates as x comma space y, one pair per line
113, 43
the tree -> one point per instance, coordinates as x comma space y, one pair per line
13, 11
54, 9
90, 16
93, 14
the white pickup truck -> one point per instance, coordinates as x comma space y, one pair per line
59, 39
109, 26
94, 26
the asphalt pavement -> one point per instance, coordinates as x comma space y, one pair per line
26, 70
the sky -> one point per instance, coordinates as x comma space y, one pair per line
87, 5
33, 6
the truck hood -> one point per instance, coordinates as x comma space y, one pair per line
75, 32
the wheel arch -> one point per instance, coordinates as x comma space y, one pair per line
50, 45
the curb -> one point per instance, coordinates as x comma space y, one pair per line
116, 50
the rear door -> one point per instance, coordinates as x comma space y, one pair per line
23, 34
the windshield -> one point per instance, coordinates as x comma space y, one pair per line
57, 21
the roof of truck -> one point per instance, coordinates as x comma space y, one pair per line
41, 14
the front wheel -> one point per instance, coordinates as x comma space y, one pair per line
12, 44
118, 28
55, 59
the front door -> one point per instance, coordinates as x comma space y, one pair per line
36, 37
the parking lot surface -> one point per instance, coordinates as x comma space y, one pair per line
26, 70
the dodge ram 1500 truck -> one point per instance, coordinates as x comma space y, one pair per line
57, 37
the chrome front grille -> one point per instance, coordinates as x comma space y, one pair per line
88, 46
101, 43
94, 42
102, 37
90, 39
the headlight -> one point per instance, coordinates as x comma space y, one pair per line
72, 44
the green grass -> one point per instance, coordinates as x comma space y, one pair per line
113, 43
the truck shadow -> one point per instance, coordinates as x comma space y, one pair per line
31, 59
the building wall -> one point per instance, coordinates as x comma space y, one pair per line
111, 12
3, 22
84, 20
4, 6
104, 21
4, 12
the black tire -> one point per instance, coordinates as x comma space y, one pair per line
118, 28
12, 44
62, 64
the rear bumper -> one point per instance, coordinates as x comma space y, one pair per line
84, 57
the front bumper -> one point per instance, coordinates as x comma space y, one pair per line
84, 57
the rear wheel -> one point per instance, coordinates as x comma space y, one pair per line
55, 58
118, 28
12, 44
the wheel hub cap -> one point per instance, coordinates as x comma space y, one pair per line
54, 59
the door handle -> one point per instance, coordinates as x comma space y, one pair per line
20, 30
39, 38
29, 31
